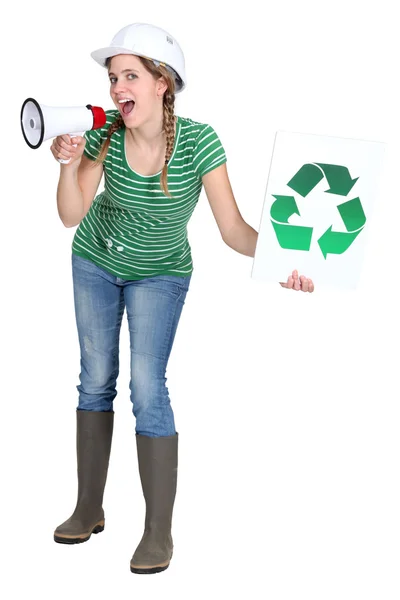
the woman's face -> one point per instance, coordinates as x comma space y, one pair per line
135, 92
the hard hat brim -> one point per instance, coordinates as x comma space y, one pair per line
101, 55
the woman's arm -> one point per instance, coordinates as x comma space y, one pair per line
235, 232
79, 179
76, 190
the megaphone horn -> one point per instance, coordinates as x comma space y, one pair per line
39, 122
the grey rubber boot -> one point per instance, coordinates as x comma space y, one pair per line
93, 441
158, 463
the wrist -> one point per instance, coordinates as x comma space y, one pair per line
70, 169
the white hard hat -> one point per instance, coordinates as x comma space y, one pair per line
147, 41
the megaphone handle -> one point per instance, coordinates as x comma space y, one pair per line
66, 161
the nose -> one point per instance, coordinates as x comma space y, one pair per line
119, 87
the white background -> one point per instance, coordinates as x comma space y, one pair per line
286, 403
318, 209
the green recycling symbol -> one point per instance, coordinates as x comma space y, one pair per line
297, 237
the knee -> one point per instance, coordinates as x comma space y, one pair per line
148, 383
98, 374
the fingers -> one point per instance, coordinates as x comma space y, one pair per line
307, 284
297, 283
63, 147
65, 138
304, 283
289, 283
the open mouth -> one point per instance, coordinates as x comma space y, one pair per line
127, 106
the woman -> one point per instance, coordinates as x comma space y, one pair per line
131, 251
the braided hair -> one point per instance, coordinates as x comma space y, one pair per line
168, 119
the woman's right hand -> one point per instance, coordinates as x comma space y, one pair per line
62, 147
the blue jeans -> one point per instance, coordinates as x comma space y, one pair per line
153, 307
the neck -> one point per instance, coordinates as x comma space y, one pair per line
150, 134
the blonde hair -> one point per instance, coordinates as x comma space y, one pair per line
168, 118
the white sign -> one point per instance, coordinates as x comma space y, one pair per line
317, 208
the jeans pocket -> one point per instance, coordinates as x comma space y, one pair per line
172, 283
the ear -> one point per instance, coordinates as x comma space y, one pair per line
161, 87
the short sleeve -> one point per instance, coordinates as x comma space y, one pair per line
96, 137
208, 152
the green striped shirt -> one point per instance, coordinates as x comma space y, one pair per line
132, 229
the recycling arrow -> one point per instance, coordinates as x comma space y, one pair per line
297, 237
352, 214
291, 237
338, 177
337, 242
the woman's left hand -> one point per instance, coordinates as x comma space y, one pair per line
297, 283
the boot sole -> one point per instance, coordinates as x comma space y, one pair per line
61, 539
148, 570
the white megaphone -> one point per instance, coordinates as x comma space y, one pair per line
41, 122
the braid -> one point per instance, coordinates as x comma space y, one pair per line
118, 124
169, 128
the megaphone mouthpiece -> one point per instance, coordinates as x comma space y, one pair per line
99, 116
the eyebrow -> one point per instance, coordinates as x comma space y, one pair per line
126, 71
